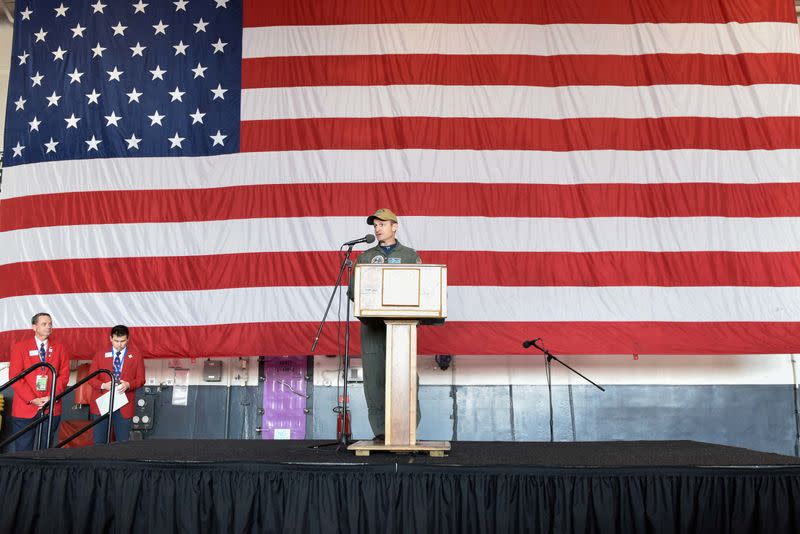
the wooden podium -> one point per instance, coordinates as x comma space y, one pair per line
401, 295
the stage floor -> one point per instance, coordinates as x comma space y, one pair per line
601, 454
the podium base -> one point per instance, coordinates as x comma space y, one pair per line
434, 448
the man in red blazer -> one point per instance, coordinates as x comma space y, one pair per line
128, 370
33, 392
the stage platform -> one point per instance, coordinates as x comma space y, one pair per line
278, 486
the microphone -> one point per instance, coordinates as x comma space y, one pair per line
369, 238
530, 342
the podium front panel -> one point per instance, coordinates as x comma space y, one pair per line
400, 291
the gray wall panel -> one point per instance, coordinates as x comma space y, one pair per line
757, 417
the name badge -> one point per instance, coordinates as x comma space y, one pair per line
394, 260
33, 353
41, 382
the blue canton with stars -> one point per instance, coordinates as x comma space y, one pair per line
123, 79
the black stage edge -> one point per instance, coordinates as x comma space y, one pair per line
229, 486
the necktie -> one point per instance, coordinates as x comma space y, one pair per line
117, 365
42, 353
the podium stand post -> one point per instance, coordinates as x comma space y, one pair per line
401, 382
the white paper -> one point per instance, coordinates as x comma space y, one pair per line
180, 391
120, 400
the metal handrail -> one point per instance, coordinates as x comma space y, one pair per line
49, 416
102, 417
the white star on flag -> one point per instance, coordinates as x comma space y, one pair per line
177, 94
119, 29
93, 97
51, 146
219, 46
112, 119
218, 138
155, 118
98, 50
160, 28
113, 75
58, 54
72, 121
93, 143
133, 142
75, 76
158, 73
197, 117
175, 141
133, 96
53, 99
180, 48
137, 50
199, 70
219, 92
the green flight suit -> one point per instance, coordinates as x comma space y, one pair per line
373, 341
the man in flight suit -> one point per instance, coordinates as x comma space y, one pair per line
373, 331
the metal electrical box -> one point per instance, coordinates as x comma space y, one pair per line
212, 371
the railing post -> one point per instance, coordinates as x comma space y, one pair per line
94, 423
38, 435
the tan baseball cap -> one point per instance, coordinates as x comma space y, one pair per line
384, 214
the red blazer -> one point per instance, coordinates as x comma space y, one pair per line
26, 353
132, 372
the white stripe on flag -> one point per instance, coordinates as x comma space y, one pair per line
525, 39
654, 234
412, 165
496, 101
465, 303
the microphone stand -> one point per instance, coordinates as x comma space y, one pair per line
344, 438
548, 358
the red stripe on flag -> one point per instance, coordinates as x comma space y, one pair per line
410, 199
769, 133
500, 338
545, 71
510, 269
316, 12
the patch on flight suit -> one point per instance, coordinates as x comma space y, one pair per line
394, 260
377, 259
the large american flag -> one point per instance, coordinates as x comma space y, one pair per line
615, 177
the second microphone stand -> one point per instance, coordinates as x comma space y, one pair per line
548, 358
